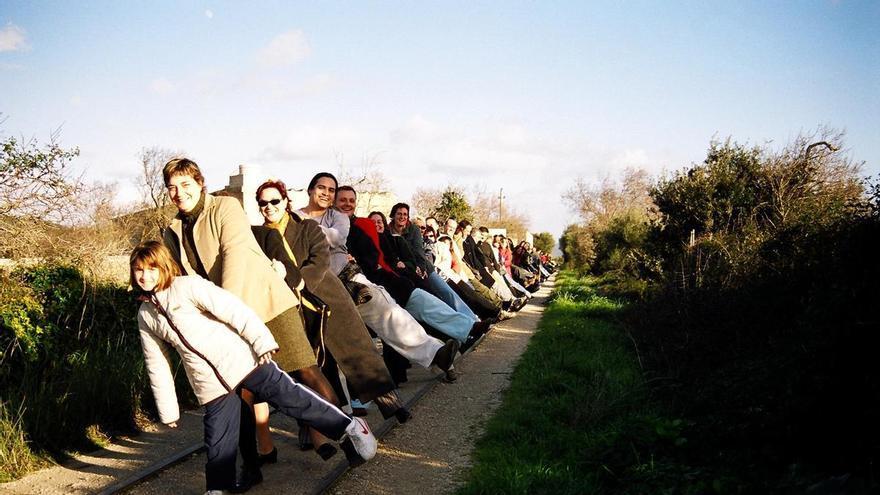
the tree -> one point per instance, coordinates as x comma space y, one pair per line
370, 183
577, 247
36, 181
544, 241
151, 185
614, 220
453, 204
425, 201
47, 213
489, 212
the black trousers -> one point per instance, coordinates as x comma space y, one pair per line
226, 414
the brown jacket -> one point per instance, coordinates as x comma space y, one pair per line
346, 337
232, 258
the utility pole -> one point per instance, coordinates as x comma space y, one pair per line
500, 199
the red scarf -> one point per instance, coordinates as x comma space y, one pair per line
369, 227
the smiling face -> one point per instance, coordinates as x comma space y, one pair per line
346, 202
147, 277
401, 217
321, 196
380, 225
184, 191
272, 205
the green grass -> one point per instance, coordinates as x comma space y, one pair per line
16, 457
576, 418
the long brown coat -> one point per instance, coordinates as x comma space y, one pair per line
346, 337
234, 261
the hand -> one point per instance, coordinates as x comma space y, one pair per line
172, 424
265, 358
279, 268
400, 265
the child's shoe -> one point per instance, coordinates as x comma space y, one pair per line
362, 440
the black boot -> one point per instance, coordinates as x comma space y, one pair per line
446, 355
247, 479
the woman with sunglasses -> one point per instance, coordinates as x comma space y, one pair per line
346, 337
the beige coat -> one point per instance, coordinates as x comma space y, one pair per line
232, 258
212, 322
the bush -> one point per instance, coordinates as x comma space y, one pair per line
71, 361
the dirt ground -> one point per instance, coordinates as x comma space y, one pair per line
428, 455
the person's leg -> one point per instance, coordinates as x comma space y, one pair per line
221, 423
483, 307
516, 288
270, 384
265, 445
330, 369
313, 378
441, 289
425, 307
501, 288
397, 327
396, 363
486, 292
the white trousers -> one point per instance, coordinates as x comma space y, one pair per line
500, 287
396, 326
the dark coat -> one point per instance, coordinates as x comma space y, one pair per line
489, 257
363, 244
346, 337
475, 258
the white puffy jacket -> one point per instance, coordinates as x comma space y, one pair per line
219, 335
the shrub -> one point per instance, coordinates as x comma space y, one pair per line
72, 360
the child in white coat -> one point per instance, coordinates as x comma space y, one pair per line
224, 348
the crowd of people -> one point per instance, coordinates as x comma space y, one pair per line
318, 313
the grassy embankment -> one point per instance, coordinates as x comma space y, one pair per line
577, 418
71, 371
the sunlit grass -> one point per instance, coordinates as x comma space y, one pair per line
576, 418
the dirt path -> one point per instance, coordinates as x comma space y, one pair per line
431, 453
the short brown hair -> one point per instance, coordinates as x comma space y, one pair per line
153, 254
182, 166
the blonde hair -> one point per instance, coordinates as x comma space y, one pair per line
153, 254
182, 166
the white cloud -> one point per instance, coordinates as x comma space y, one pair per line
77, 101
317, 144
162, 86
631, 158
280, 87
533, 167
285, 49
12, 39
209, 13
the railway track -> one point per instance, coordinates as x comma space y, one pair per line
147, 480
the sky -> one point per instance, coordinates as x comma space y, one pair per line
523, 97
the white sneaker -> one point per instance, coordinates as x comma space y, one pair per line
505, 315
216, 492
364, 442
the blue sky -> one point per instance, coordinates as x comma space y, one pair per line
524, 96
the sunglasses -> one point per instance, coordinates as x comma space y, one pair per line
263, 203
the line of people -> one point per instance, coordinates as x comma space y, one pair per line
303, 295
